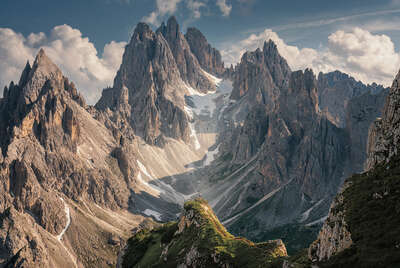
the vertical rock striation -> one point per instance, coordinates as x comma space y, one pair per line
384, 134
209, 58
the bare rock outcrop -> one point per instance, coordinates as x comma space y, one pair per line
209, 58
384, 134
261, 74
187, 63
334, 236
336, 90
52, 148
148, 90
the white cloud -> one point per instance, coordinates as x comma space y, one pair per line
74, 54
164, 7
195, 6
224, 7
367, 57
169, 7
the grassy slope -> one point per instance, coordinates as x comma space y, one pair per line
372, 205
210, 238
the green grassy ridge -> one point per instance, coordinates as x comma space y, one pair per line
204, 232
372, 213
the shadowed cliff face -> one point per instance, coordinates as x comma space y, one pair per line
361, 228
282, 158
336, 92
209, 58
294, 171
384, 133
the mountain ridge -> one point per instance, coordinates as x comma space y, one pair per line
163, 134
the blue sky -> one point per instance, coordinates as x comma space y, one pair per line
323, 31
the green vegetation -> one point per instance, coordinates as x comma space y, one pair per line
199, 238
295, 236
372, 212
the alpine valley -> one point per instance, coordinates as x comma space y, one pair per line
184, 162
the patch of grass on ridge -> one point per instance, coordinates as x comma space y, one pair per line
372, 212
206, 236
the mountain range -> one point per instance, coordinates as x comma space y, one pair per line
267, 147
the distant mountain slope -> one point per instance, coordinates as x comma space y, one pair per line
362, 229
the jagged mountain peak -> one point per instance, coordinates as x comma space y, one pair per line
170, 30
263, 69
173, 26
142, 32
44, 64
209, 58
25, 73
270, 45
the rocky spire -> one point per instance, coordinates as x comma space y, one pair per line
43, 69
148, 91
188, 65
261, 72
208, 57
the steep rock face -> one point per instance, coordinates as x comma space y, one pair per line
336, 89
283, 166
199, 240
209, 58
187, 63
360, 230
334, 236
261, 74
148, 90
361, 112
282, 158
362, 227
54, 154
384, 134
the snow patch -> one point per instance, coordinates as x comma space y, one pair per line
306, 214
210, 156
155, 214
67, 214
213, 78
144, 169
317, 221
193, 134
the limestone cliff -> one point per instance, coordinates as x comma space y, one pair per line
209, 58
362, 226
384, 133
148, 90
57, 162
188, 65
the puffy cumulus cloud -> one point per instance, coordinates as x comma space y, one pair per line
168, 7
224, 7
294, 56
74, 54
163, 8
365, 56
